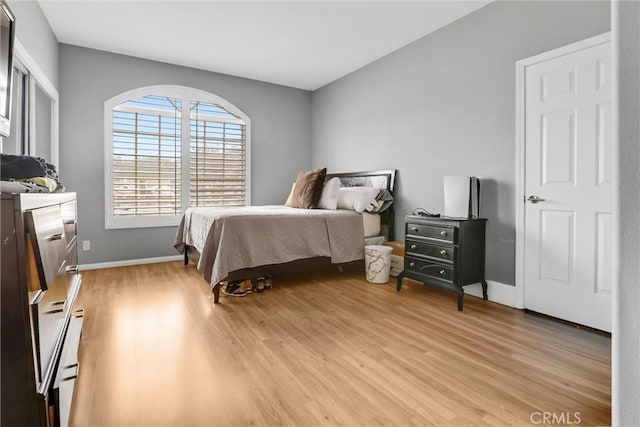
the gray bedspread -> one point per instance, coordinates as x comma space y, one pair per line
233, 238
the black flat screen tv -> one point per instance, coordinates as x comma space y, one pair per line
7, 30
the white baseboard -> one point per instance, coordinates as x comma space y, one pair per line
497, 292
128, 262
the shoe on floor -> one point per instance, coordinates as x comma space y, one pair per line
233, 289
260, 284
246, 286
268, 282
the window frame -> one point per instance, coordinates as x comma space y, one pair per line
34, 78
186, 94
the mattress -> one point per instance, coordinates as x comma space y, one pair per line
235, 238
371, 224
375, 240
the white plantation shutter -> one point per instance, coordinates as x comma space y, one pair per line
217, 156
171, 147
146, 157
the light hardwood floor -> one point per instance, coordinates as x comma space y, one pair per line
324, 349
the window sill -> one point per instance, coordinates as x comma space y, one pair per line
141, 222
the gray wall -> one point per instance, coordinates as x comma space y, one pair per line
35, 34
625, 375
445, 105
280, 146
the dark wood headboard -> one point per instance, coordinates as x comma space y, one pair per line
381, 179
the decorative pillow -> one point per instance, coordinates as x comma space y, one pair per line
329, 197
308, 189
290, 198
357, 199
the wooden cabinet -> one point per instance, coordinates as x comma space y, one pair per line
445, 252
40, 325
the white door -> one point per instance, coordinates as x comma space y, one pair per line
568, 165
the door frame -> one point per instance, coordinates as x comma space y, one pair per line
521, 67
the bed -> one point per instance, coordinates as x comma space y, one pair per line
229, 243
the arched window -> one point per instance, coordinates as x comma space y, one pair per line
171, 147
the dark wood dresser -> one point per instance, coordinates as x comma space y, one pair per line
40, 326
445, 252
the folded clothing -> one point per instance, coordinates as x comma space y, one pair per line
21, 187
49, 184
28, 168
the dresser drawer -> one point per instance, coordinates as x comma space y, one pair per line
68, 370
440, 252
429, 268
69, 221
51, 310
49, 242
447, 234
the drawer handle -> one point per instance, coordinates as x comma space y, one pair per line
443, 233
59, 310
442, 272
413, 246
72, 377
70, 222
78, 313
57, 236
443, 252
414, 228
412, 264
72, 269
61, 302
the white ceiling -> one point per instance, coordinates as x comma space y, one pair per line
303, 44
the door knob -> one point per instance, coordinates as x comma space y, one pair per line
535, 199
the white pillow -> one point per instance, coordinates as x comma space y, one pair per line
329, 197
357, 199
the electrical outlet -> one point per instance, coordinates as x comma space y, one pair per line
86, 245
